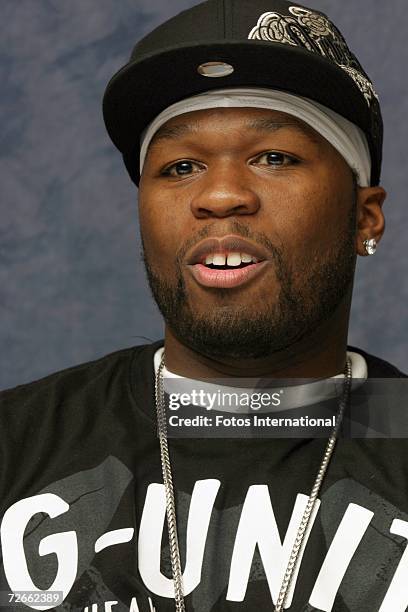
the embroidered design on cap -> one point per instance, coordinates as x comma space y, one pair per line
314, 32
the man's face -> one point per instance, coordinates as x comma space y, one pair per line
265, 177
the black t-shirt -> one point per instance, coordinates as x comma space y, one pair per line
83, 504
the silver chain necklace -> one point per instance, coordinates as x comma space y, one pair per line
171, 507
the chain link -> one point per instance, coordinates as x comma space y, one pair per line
171, 506
299, 540
168, 486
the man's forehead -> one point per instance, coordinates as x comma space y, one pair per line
255, 119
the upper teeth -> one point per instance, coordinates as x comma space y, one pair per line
232, 259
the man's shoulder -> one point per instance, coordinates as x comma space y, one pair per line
89, 375
377, 367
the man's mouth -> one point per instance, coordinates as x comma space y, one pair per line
225, 277
226, 262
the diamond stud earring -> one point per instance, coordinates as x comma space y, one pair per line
370, 246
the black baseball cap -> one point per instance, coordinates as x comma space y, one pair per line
240, 43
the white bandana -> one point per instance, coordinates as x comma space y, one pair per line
346, 137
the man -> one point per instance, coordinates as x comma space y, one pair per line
255, 138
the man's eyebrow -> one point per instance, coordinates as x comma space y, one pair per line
262, 124
174, 132
273, 125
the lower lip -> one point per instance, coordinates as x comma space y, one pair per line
226, 279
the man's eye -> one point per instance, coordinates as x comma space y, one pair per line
274, 158
182, 168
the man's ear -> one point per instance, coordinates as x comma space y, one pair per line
370, 217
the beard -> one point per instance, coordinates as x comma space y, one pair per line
237, 332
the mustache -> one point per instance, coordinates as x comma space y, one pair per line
235, 227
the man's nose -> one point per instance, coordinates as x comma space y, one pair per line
225, 192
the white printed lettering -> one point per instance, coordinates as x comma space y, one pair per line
63, 545
150, 536
257, 526
345, 542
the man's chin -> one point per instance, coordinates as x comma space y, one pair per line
224, 333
